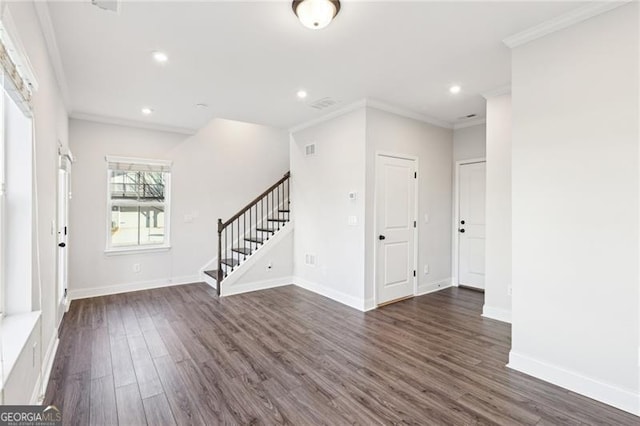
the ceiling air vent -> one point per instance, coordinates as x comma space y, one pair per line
310, 150
323, 103
111, 5
467, 117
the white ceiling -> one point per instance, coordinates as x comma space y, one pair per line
247, 60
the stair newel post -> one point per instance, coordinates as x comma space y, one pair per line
220, 228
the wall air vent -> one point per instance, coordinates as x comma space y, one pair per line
310, 259
323, 103
310, 150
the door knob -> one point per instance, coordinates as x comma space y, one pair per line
461, 230
62, 245
381, 237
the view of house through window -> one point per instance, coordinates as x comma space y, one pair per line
138, 196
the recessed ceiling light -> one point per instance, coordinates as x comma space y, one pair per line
455, 89
146, 111
301, 94
160, 57
202, 106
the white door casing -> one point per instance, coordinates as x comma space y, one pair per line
471, 224
395, 228
62, 240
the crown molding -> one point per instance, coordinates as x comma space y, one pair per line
46, 26
561, 22
383, 106
470, 123
372, 103
76, 115
498, 91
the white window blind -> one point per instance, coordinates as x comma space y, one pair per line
138, 204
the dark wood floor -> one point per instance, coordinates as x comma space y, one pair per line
180, 355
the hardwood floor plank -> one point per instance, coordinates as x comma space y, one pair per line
103, 402
145, 370
123, 372
157, 411
130, 408
182, 406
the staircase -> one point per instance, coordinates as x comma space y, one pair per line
249, 229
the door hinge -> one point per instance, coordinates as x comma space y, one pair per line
415, 224
414, 272
65, 292
415, 175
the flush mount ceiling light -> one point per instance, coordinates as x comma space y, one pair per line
146, 111
455, 89
316, 14
301, 94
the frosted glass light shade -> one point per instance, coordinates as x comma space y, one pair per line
316, 14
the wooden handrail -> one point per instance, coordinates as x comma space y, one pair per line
222, 225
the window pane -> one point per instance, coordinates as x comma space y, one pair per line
142, 186
137, 225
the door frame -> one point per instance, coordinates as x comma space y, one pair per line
455, 254
65, 162
375, 220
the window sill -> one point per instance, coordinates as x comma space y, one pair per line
135, 250
15, 330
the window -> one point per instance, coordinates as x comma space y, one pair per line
138, 204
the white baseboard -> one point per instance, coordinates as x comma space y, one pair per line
37, 397
255, 286
623, 399
369, 304
136, 286
333, 294
427, 288
497, 314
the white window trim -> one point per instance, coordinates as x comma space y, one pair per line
149, 248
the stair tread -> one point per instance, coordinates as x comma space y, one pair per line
255, 240
242, 250
266, 229
230, 262
278, 220
213, 274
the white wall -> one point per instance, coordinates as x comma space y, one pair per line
433, 146
345, 162
214, 174
321, 207
50, 118
470, 142
497, 296
575, 208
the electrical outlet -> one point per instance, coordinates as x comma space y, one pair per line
509, 291
136, 268
426, 269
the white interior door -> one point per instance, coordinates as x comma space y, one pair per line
471, 225
395, 224
63, 235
